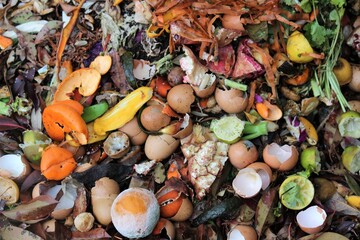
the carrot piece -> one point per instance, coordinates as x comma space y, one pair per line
253, 86
65, 35
5, 42
262, 109
173, 171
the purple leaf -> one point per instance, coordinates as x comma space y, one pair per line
7, 123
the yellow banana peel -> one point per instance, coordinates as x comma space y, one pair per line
123, 111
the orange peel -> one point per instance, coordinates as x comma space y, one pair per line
64, 117
85, 80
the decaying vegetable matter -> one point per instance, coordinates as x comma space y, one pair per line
180, 119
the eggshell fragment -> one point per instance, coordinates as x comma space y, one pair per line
159, 147
153, 119
132, 129
242, 232
232, 100
185, 211
282, 158
247, 183
264, 171
165, 224
135, 212
14, 167
311, 220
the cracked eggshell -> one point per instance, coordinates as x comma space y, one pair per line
282, 158
206, 92
165, 224
132, 129
232, 100
159, 147
311, 220
242, 232
264, 171
247, 183
14, 167
103, 195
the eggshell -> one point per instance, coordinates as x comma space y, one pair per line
103, 195
206, 92
132, 129
153, 119
180, 98
264, 171
242, 232
159, 147
15, 167
247, 183
232, 100
187, 128
166, 224
282, 158
242, 153
135, 212
311, 220
185, 211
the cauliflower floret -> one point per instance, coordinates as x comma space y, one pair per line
205, 162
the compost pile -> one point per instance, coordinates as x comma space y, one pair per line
179, 119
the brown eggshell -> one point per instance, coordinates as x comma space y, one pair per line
132, 129
242, 232
282, 158
232, 100
247, 183
180, 98
206, 92
185, 211
186, 131
159, 147
264, 171
311, 220
167, 225
153, 119
242, 153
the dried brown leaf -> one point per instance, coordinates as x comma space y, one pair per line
9, 232
33, 211
264, 211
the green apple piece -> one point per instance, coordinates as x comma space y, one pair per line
92, 112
